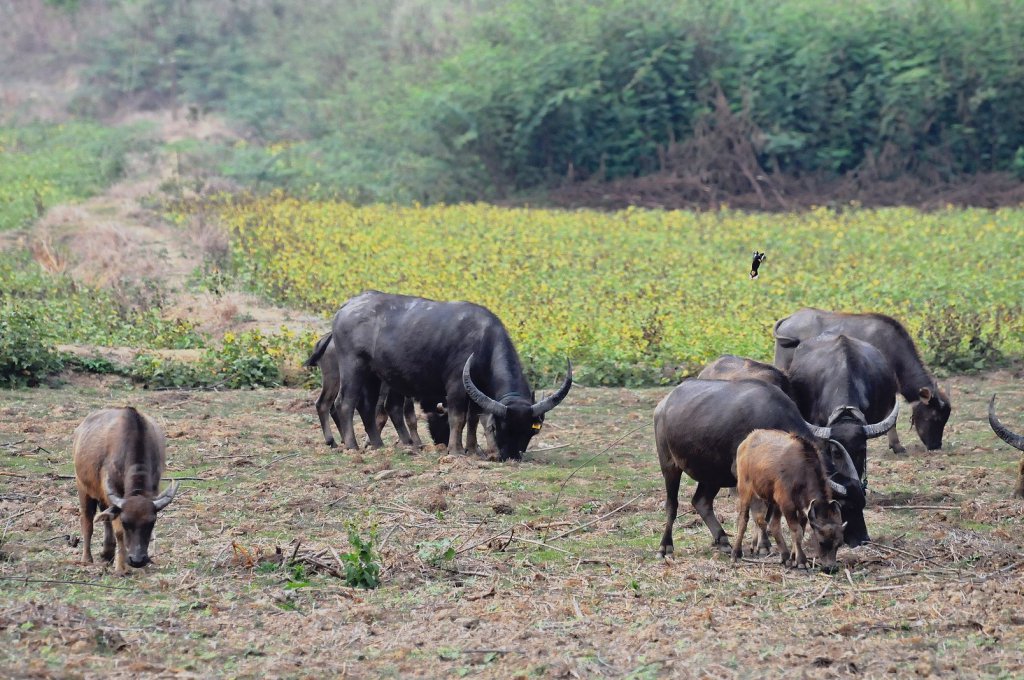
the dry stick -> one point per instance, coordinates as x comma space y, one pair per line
595, 521
919, 507
484, 541
280, 458
12, 474
542, 544
25, 579
820, 595
588, 460
986, 577
20, 441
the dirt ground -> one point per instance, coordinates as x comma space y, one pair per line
544, 568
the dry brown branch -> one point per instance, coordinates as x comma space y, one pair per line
595, 521
26, 579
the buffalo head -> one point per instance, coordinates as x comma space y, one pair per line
137, 516
929, 416
514, 417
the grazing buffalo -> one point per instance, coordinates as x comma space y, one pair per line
1012, 438
785, 471
389, 403
843, 384
699, 426
119, 457
732, 367
458, 353
931, 406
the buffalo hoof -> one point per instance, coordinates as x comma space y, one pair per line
107, 556
665, 551
331, 443
899, 449
722, 545
737, 554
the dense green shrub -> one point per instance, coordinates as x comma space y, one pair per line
26, 356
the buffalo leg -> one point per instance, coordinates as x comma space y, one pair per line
672, 475
775, 527
409, 411
394, 403
761, 545
704, 503
325, 408
472, 419
894, 442
796, 529
108, 539
1019, 491
457, 422
348, 397
120, 567
742, 518
86, 511
337, 421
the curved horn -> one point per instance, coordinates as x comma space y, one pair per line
841, 410
164, 499
1012, 438
115, 500
819, 431
878, 429
851, 469
551, 401
488, 405
837, 487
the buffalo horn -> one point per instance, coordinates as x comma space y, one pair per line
488, 405
840, 410
819, 431
837, 487
851, 469
878, 429
551, 401
1012, 438
115, 500
164, 499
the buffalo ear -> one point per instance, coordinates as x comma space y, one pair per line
925, 394
108, 515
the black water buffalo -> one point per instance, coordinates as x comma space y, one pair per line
701, 423
732, 367
847, 389
458, 353
401, 409
931, 406
1010, 437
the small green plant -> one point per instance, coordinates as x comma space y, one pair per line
436, 553
362, 563
297, 577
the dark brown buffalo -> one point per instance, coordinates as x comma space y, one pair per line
931, 406
119, 458
732, 367
1012, 438
785, 472
700, 424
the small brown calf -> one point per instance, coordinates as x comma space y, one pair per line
119, 457
786, 472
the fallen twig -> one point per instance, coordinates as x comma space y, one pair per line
588, 460
820, 595
25, 579
919, 507
484, 541
20, 441
541, 544
279, 458
595, 521
12, 474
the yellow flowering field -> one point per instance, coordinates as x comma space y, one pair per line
642, 296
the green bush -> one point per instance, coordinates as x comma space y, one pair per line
362, 563
26, 355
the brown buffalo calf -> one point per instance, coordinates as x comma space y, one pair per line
119, 458
785, 471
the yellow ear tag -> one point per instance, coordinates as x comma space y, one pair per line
536, 427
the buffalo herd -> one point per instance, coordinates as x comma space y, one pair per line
792, 437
